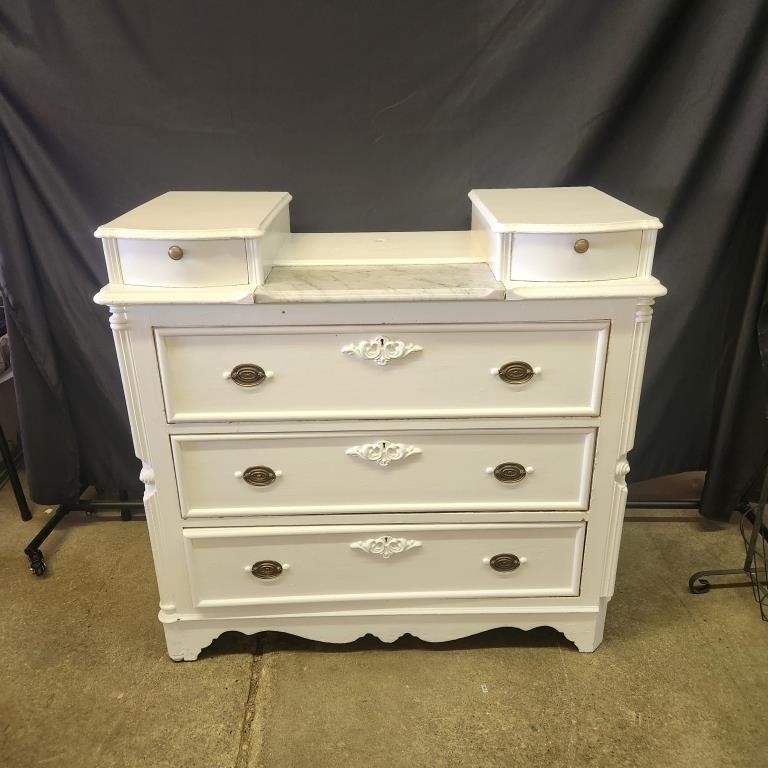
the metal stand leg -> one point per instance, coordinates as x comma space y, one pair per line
13, 476
699, 582
125, 512
32, 550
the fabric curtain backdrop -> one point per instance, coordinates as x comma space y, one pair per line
381, 116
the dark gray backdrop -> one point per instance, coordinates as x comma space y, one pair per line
380, 116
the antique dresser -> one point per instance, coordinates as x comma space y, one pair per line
382, 432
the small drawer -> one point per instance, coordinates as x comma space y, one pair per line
415, 471
370, 372
183, 263
331, 564
560, 258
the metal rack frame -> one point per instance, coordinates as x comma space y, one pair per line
13, 477
699, 583
37, 564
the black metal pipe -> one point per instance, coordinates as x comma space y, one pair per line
664, 504
13, 476
61, 512
36, 559
93, 505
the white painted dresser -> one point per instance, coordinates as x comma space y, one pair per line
385, 433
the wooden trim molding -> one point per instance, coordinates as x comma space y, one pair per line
121, 331
112, 256
641, 332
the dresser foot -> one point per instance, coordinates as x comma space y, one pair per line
588, 634
181, 642
185, 656
587, 643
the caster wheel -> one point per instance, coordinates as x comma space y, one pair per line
699, 587
37, 563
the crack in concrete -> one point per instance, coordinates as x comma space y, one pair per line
244, 746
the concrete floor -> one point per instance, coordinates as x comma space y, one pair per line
680, 680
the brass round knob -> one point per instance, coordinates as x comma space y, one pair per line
248, 375
175, 252
581, 245
266, 569
509, 472
259, 476
517, 372
505, 562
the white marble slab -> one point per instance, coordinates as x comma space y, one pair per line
380, 283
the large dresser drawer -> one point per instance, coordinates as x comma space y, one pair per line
329, 564
242, 374
414, 471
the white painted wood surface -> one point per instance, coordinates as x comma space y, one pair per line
117, 294
198, 216
546, 258
549, 210
433, 411
320, 473
326, 563
323, 249
454, 372
204, 263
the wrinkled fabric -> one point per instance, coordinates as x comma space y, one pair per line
380, 116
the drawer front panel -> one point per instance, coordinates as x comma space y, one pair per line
302, 564
196, 263
444, 470
599, 256
348, 372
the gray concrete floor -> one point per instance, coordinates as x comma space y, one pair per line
680, 680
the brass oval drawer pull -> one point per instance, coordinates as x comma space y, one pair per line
175, 252
266, 569
505, 561
517, 372
510, 472
259, 475
248, 375
581, 245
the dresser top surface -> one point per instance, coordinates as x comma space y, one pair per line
198, 215
558, 210
583, 244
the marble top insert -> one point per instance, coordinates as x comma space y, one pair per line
439, 282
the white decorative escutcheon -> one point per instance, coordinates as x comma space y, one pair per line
381, 349
385, 546
383, 452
